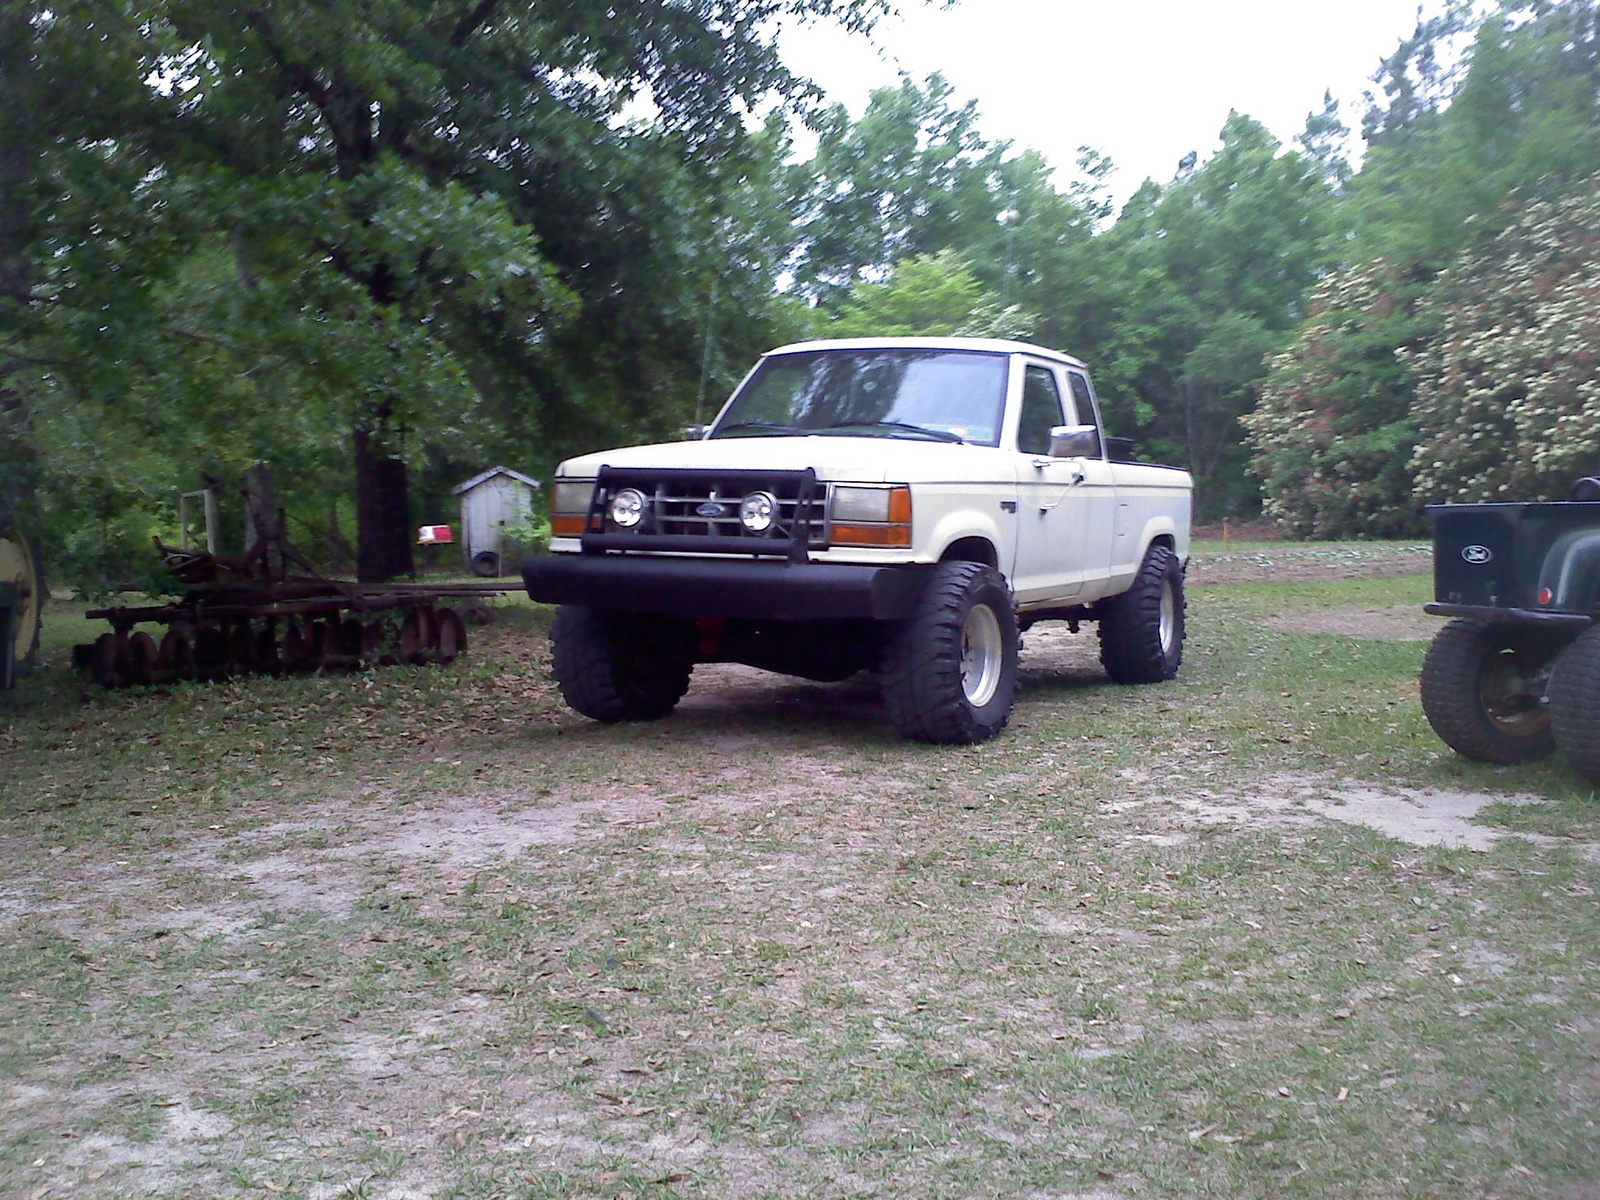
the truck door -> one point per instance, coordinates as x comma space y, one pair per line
1054, 553
1097, 498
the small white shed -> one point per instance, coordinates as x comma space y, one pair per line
491, 502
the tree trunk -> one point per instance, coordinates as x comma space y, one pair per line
260, 505
17, 216
383, 511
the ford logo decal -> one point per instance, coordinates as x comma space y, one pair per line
710, 509
1477, 555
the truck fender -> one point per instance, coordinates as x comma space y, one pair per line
968, 525
1571, 573
1158, 529
1130, 554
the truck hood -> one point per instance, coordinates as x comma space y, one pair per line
856, 459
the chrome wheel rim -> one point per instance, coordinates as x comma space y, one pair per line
982, 655
1169, 617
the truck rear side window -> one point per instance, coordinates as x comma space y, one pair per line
887, 393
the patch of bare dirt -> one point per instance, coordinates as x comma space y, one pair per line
1433, 817
412, 1082
1395, 623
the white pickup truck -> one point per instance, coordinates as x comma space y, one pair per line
906, 506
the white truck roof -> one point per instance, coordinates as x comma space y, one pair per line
988, 345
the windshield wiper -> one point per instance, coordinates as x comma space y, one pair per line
765, 427
935, 435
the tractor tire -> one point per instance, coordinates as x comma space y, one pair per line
1141, 631
614, 667
1483, 684
20, 566
1575, 704
950, 668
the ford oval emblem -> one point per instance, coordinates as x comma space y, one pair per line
1477, 555
710, 509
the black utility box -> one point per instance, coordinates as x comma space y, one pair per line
1537, 558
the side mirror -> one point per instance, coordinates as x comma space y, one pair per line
696, 433
1075, 441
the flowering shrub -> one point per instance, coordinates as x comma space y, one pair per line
1331, 437
1508, 391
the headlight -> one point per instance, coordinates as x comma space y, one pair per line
758, 511
870, 516
860, 504
627, 508
569, 506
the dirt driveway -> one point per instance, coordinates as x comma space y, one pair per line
295, 938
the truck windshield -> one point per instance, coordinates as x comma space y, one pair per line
936, 395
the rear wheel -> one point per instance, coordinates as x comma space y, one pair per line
950, 668
20, 567
1141, 631
1483, 685
1575, 704
620, 667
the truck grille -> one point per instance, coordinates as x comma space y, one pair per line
698, 511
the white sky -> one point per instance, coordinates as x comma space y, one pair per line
1142, 81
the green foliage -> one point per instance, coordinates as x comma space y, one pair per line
911, 177
1448, 148
1192, 288
247, 230
1508, 392
510, 231
1486, 364
1331, 438
935, 295
532, 534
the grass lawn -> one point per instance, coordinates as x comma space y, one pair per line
423, 932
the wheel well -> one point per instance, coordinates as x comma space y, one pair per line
972, 549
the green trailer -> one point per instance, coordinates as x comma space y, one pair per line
1516, 672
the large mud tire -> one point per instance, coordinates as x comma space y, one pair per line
950, 668
620, 667
20, 566
1483, 684
1141, 631
1575, 704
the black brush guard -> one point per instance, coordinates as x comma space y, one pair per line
789, 539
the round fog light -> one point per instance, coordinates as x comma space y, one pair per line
627, 507
758, 511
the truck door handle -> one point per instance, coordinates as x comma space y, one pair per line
1075, 478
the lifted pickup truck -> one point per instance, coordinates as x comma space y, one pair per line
901, 506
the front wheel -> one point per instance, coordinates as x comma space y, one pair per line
1483, 684
1141, 631
619, 666
1575, 704
950, 668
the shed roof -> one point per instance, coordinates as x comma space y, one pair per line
485, 476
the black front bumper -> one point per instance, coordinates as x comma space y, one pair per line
717, 587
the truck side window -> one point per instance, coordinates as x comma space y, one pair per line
1081, 398
1041, 411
